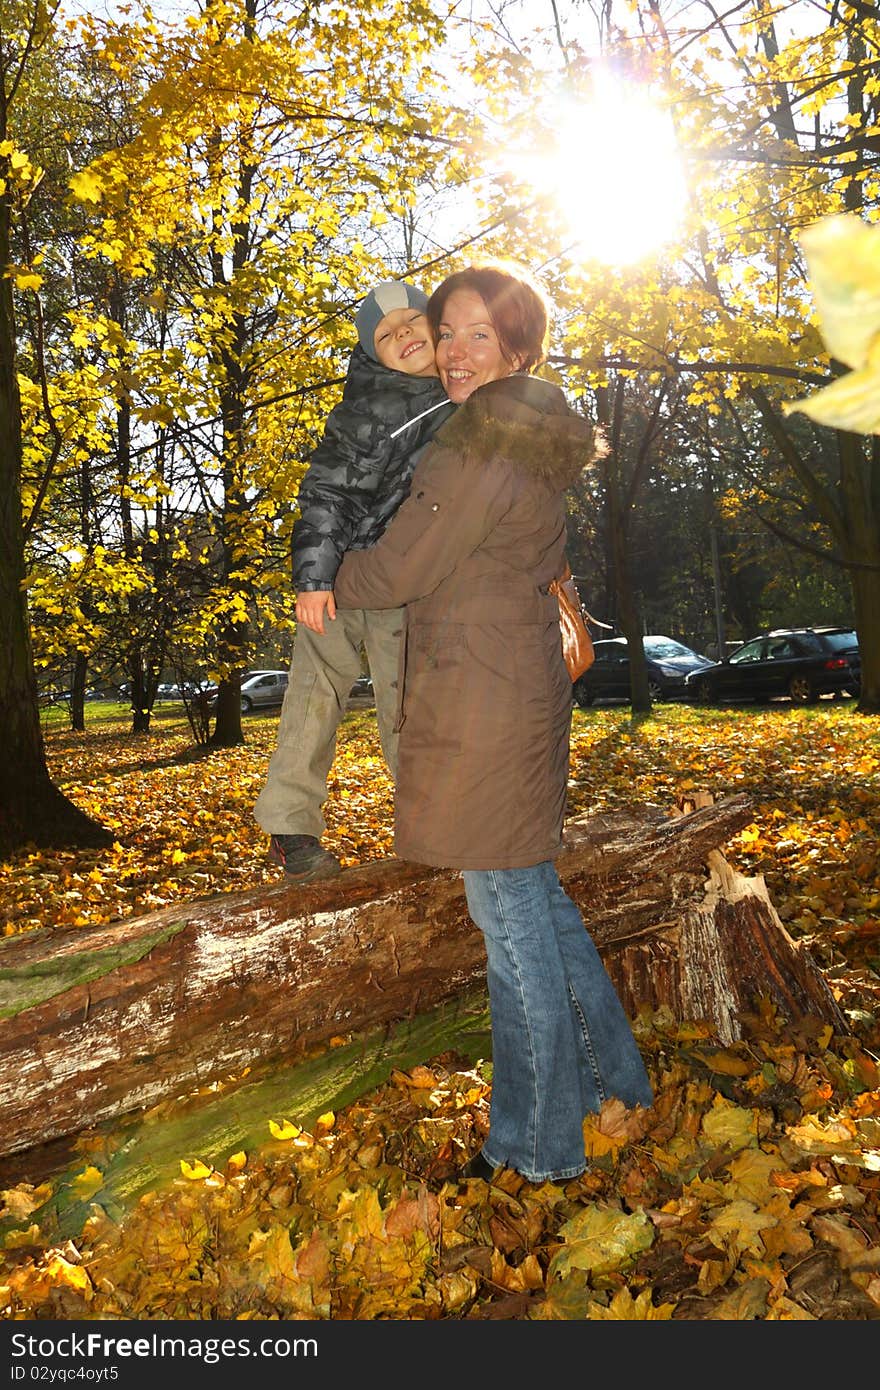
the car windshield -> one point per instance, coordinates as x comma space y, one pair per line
665, 647
752, 651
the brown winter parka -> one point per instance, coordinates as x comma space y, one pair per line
485, 699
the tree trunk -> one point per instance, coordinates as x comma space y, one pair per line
860, 502
78, 693
32, 809
228, 732
112, 1020
609, 406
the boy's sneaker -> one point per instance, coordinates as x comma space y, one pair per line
303, 857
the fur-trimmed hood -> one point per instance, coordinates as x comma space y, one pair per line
529, 422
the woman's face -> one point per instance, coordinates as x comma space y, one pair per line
468, 351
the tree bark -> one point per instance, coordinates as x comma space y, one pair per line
32, 809
100, 1023
860, 503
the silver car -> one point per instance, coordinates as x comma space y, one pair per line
262, 690
259, 690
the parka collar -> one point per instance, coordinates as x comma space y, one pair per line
527, 421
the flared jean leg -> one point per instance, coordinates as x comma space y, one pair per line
613, 1065
561, 1041
536, 1110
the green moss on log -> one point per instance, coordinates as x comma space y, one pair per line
147, 1147
23, 987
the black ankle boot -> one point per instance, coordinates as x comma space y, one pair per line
303, 857
478, 1167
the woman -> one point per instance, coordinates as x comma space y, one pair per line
484, 714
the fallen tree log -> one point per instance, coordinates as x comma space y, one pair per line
102, 1022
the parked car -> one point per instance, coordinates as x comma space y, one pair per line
801, 663
668, 662
171, 690
263, 690
54, 697
259, 690
362, 686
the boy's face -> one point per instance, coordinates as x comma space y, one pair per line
403, 342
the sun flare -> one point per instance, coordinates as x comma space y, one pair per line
615, 172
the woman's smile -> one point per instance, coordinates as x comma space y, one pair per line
468, 348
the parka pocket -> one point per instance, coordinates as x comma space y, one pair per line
434, 701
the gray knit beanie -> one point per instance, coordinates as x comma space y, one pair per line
391, 294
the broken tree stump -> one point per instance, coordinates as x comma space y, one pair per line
101, 1022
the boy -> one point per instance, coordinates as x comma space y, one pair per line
357, 477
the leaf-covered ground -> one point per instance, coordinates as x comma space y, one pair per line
750, 1190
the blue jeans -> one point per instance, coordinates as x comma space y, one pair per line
561, 1042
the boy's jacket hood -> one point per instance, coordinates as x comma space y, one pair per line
527, 421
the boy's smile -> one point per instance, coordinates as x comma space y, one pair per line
403, 343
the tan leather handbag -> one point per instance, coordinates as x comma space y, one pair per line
577, 644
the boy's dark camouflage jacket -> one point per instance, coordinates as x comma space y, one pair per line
360, 472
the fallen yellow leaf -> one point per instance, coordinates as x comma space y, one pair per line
87, 1183
286, 1130
195, 1171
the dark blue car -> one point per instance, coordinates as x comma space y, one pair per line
802, 663
668, 664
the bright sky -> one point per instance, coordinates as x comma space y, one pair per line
615, 173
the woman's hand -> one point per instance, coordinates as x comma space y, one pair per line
310, 608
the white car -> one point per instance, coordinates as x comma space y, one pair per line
170, 690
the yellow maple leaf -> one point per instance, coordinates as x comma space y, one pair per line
730, 1125
602, 1239
20, 1201
814, 1137
87, 1183
728, 1063
624, 1308
195, 1171
843, 256
738, 1227
744, 1303
456, 1289
273, 1251
16, 1239
753, 1174
422, 1076
86, 187
789, 1236
597, 1144
61, 1271
285, 1130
